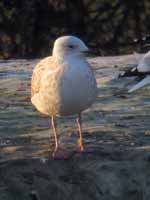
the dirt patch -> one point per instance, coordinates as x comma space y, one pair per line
97, 176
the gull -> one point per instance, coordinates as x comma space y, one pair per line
142, 70
64, 84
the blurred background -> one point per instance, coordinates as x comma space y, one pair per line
28, 28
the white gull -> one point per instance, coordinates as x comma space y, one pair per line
64, 84
143, 68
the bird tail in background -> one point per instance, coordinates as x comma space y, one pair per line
140, 84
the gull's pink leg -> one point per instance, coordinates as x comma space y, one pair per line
53, 122
79, 123
59, 153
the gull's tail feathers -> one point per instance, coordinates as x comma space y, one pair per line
140, 84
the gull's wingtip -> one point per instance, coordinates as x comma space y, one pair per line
140, 84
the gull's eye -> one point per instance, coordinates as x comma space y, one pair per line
71, 46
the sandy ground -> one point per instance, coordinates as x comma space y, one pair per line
116, 127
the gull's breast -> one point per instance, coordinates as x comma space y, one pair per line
77, 89
69, 90
144, 64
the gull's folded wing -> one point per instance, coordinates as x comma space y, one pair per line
45, 64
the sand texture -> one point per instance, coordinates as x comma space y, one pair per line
116, 127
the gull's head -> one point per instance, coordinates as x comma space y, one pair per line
69, 46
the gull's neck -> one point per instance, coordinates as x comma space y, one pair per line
69, 57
